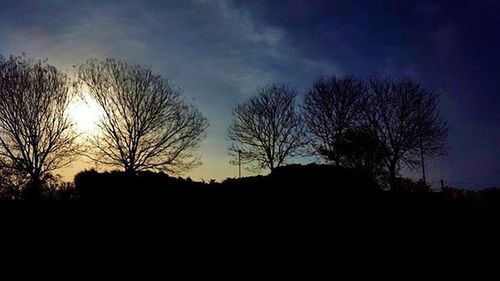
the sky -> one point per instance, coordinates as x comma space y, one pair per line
220, 52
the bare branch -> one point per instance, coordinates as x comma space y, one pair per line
36, 136
145, 123
331, 108
406, 119
267, 130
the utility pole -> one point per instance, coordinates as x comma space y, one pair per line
422, 160
239, 163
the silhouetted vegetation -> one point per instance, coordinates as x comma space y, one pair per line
267, 130
362, 150
137, 204
332, 108
324, 185
373, 126
285, 185
377, 125
36, 136
365, 130
368, 129
145, 123
405, 118
307, 215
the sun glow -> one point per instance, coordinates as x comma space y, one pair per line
85, 113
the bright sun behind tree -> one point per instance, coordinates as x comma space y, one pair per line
85, 113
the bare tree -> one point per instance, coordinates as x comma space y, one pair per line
36, 136
267, 130
331, 108
145, 123
406, 120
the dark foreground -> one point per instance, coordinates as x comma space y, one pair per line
311, 220
64, 237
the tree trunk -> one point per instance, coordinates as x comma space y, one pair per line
129, 170
271, 166
33, 190
392, 175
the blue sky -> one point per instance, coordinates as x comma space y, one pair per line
219, 52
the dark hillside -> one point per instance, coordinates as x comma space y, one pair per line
298, 220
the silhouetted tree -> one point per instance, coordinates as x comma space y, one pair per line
362, 150
12, 182
145, 123
267, 130
406, 120
36, 136
331, 108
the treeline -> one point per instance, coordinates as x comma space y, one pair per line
375, 126
313, 184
